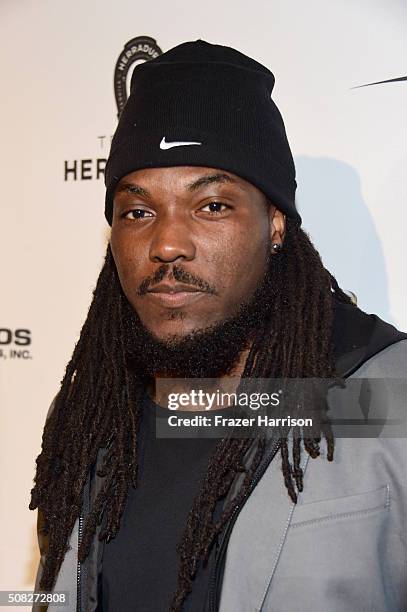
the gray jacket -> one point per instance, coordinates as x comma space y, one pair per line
341, 548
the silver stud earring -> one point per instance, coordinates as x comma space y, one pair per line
276, 247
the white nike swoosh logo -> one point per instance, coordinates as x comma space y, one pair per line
168, 145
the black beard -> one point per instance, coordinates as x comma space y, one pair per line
206, 353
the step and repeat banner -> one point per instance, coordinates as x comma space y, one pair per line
341, 86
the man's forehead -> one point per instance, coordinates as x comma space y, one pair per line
188, 178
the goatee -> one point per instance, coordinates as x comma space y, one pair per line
203, 353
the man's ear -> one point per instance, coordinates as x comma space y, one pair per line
277, 225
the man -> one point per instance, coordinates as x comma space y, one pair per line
208, 274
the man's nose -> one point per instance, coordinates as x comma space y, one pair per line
172, 240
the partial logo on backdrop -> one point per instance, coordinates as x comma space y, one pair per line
14, 343
92, 167
141, 48
396, 80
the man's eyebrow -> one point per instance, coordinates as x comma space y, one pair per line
209, 179
132, 188
203, 181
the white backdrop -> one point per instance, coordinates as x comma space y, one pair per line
57, 66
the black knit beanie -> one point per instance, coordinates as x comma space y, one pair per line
217, 102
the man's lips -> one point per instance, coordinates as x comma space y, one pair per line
174, 294
173, 288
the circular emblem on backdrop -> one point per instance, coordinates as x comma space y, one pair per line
140, 48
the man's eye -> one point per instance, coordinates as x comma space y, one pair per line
137, 213
215, 208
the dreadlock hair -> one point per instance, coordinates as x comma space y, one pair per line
99, 406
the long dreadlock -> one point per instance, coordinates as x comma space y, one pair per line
99, 406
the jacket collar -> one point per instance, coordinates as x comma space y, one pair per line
358, 336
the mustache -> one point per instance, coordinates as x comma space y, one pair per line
177, 273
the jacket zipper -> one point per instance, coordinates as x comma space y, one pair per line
220, 558
78, 568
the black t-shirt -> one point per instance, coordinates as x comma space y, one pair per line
140, 565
